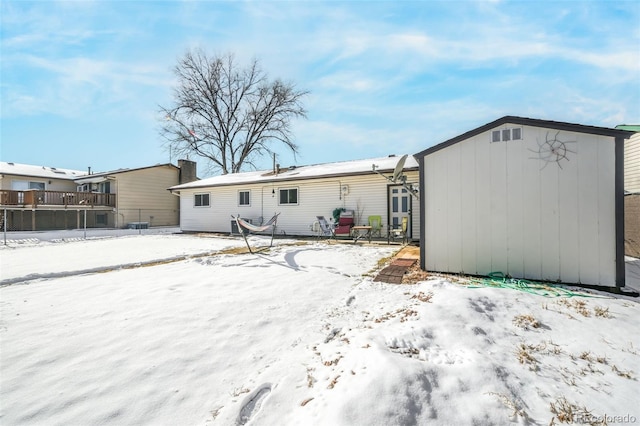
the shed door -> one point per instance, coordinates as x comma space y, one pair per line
399, 207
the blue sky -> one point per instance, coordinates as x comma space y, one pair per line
82, 81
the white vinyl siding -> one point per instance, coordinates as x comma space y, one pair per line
498, 207
367, 196
632, 164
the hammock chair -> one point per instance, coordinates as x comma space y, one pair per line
245, 227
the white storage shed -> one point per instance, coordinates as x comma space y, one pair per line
534, 199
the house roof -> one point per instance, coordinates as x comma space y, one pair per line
45, 172
315, 171
99, 177
509, 119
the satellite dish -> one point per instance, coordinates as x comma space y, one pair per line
398, 170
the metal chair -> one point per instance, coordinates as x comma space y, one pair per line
324, 229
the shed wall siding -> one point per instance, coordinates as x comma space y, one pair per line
367, 195
499, 207
142, 195
632, 164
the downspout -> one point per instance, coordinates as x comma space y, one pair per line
262, 200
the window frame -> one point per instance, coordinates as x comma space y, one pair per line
201, 195
289, 189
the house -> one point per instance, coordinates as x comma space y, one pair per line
38, 197
632, 191
41, 198
300, 194
534, 199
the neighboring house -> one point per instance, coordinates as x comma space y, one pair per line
41, 198
38, 197
300, 194
534, 199
632, 191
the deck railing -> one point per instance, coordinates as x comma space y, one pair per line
35, 198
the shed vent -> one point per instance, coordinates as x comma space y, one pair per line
505, 135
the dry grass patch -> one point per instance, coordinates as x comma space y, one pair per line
580, 306
516, 409
310, 379
526, 321
334, 382
566, 412
306, 401
625, 374
602, 312
404, 313
423, 297
524, 353
415, 275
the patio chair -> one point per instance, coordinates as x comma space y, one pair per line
375, 222
324, 228
345, 223
399, 232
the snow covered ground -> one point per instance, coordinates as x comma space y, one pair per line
184, 330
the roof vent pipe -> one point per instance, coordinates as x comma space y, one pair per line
89, 172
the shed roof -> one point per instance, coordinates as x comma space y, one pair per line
509, 119
29, 170
315, 171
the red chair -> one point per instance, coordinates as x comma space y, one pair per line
345, 223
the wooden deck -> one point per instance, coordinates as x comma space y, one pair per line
35, 199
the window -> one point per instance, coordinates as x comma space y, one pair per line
516, 134
101, 219
288, 196
244, 198
36, 185
105, 187
201, 200
495, 136
23, 185
506, 135
394, 201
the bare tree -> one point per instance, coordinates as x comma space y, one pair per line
227, 114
